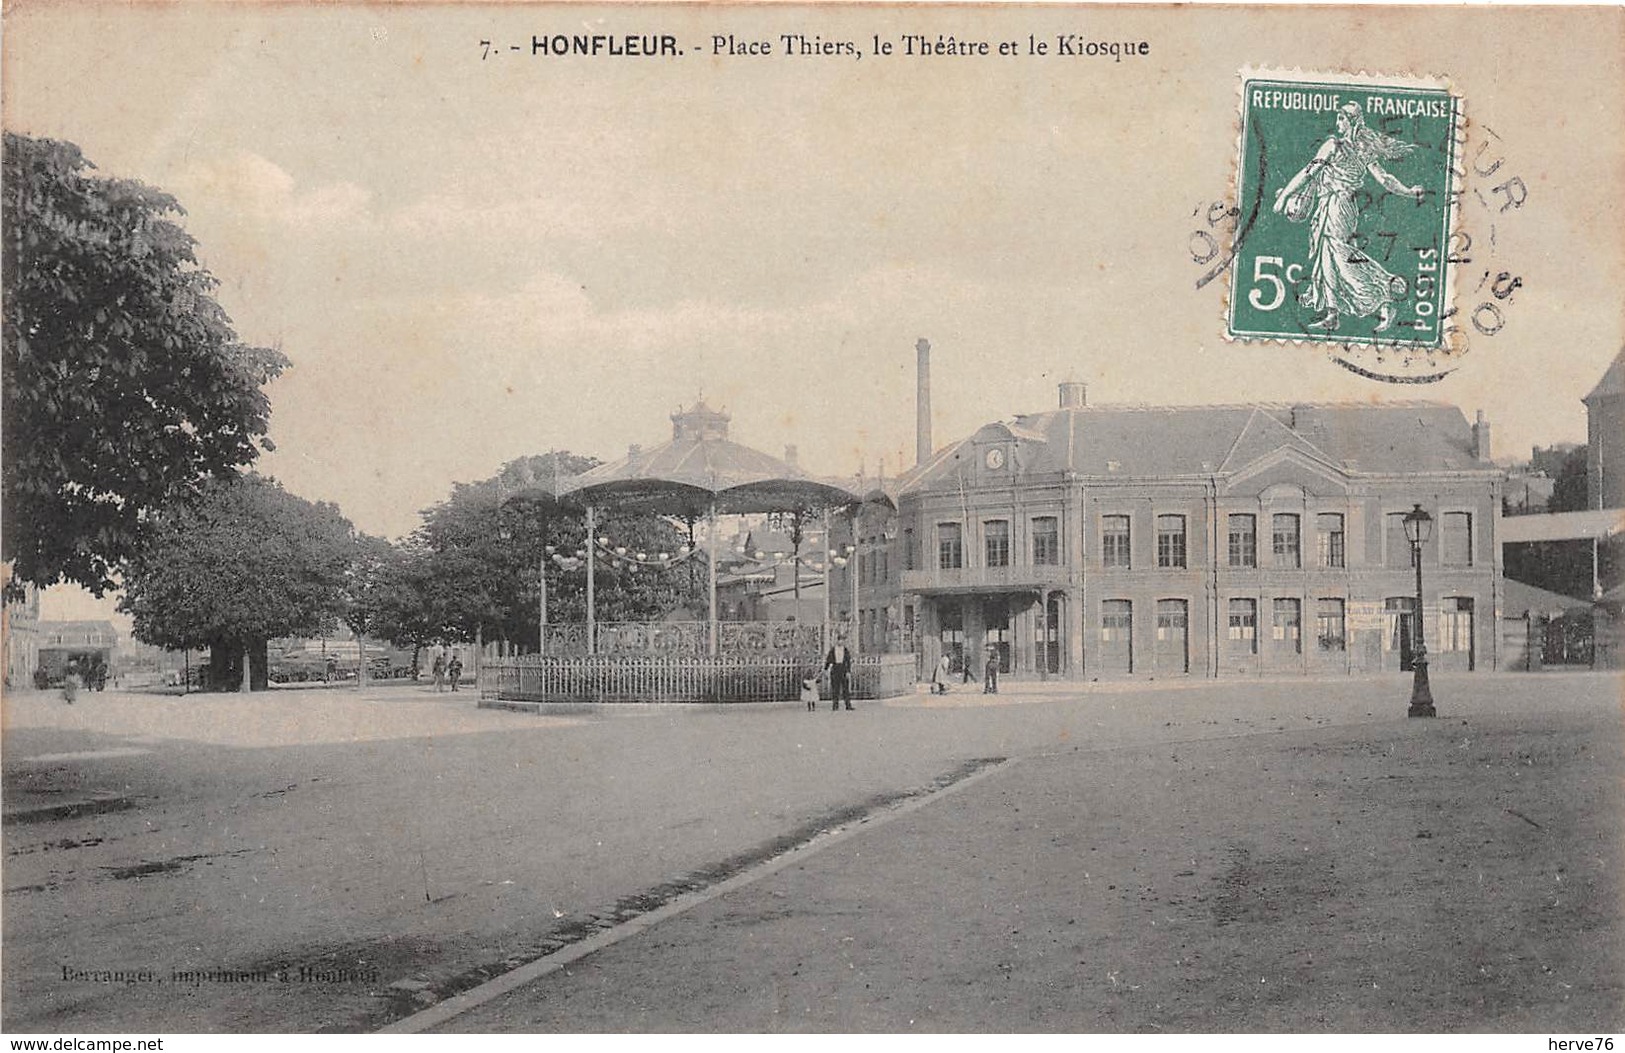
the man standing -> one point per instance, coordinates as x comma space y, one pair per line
454, 670
839, 664
439, 670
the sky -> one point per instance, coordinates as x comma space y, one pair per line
471, 256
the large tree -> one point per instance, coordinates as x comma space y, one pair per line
246, 563
125, 387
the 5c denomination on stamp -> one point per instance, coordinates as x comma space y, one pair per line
1345, 191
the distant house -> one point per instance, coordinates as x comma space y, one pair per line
90, 644
1605, 438
758, 582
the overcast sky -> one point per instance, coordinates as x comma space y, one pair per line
470, 260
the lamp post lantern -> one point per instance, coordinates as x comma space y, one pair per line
1418, 526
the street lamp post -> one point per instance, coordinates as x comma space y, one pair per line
1418, 525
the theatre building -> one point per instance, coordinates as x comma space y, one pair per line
1209, 541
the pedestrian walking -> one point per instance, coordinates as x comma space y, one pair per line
990, 675
454, 671
71, 681
439, 671
939, 676
839, 664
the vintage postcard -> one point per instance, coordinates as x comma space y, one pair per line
821, 518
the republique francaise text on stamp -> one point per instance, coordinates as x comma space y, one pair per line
1345, 187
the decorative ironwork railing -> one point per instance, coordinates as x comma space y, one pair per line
611, 678
672, 639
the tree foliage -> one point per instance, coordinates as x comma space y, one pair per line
1570, 487
125, 387
480, 556
395, 598
246, 563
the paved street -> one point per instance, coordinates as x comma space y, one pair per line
401, 847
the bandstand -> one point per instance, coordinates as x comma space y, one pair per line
698, 476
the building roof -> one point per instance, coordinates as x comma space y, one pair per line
1145, 441
1613, 379
1518, 599
80, 631
1598, 523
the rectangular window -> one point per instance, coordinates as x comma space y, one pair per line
1173, 618
1398, 612
1116, 620
1456, 624
1398, 552
1170, 541
1243, 541
1244, 626
1114, 541
1456, 539
1287, 629
1329, 539
1329, 630
950, 547
882, 571
996, 534
1046, 541
908, 548
1284, 539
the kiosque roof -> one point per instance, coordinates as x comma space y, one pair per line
1129, 441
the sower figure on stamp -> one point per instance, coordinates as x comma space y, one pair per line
1343, 278
839, 664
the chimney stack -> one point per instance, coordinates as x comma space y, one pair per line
1074, 394
922, 403
1481, 437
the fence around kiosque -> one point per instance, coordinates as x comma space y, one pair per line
682, 678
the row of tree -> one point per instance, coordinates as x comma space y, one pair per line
249, 562
133, 414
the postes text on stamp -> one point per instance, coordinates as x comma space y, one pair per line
1345, 192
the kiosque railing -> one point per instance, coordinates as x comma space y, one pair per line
609, 678
687, 639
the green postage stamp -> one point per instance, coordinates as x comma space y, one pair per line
1345, 188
